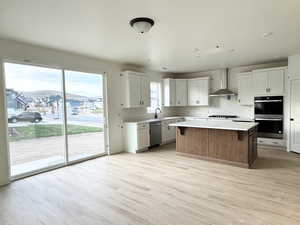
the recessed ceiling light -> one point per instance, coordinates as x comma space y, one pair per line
267, 34
142, 24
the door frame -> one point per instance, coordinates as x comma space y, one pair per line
65, 163
105, 127
289, 144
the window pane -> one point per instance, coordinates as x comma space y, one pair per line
35, 117
155, 96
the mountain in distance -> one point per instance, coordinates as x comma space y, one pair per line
47, 93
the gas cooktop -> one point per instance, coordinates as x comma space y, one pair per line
223, 116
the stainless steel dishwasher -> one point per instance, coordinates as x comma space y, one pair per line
155, 133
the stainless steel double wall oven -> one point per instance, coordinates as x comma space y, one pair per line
269, 115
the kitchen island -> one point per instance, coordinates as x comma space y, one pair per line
229, 142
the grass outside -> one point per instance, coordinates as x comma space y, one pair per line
38, 131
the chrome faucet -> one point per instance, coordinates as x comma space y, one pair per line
155, 114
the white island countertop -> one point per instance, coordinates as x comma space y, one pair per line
222, 125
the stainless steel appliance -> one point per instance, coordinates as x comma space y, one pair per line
224, 91
269, 115
155, 133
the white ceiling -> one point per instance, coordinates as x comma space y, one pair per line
99, 28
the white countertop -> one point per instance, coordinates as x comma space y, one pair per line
154, 120
190, 118
221, 124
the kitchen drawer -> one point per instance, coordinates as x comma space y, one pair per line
143, 126
271, 142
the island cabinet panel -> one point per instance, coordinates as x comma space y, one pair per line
225, 146
195, 141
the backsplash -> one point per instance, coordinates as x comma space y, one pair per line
136, 114
218, 105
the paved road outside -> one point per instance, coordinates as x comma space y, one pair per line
88, 119
41, 148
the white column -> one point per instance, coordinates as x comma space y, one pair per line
4, 166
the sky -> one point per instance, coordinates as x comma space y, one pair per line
24, 78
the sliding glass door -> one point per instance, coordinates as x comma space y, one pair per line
54, 117
85, 115
35, 117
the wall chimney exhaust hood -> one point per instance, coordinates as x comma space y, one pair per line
224, 91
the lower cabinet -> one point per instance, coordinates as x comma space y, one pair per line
168, 133
136, 137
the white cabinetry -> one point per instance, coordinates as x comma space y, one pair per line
269, 81
276, 81
181, 92
137, 90
169, 92
198, 90
136, 137
245, 89
184, 92
145, 91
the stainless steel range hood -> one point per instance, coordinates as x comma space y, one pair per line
224, 91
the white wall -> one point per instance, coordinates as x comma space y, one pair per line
221, 105
44, 56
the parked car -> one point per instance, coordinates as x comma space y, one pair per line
75, 111
12, 119
33, 117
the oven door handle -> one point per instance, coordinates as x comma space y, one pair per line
258, 119
268, 101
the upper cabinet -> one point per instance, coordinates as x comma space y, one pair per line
169, 92
137, 90
269, 81
181, 92
245, 89
186, 92
198, 91
145, 91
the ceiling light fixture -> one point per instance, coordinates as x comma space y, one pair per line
141, 24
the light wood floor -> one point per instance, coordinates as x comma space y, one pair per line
158, 188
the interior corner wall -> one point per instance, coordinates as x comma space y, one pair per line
11, 50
